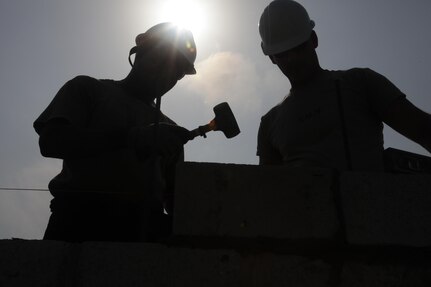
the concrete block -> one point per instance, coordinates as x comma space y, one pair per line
362, 274
386, 209
248, 201
269, 269
143, 264
50, 263
119, 264
34, 263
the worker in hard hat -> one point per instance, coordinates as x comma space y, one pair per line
330, 118
118, 150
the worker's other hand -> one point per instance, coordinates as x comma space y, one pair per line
170, 139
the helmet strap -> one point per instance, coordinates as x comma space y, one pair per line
132, 51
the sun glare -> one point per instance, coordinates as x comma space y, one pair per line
185, 13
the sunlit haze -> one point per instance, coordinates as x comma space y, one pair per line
188, 14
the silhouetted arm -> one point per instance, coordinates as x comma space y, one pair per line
268, 155
409, 121
59, 139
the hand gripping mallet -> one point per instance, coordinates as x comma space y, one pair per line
224, 121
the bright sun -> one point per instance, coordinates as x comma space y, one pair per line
185, 13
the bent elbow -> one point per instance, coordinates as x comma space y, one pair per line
48, 148
43, 147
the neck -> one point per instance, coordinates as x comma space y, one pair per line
306, 78
137, 89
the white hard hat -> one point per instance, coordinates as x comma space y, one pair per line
284, 24
169, 33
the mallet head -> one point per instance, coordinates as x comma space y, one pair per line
225, 120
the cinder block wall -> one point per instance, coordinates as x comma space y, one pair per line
243, 225
302, 205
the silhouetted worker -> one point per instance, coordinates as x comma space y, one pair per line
330, 118
118, 162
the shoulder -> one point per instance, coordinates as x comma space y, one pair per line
79, 83
85, 85
354, 74
371, 80
271, 114
366, 80
377, 89
361, 75
82, 81
80, 90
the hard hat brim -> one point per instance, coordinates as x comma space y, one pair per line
190, 70
281, 47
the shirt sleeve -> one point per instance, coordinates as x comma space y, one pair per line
265, 150
72, 104
380, 91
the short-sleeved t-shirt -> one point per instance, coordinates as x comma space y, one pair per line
305, 129
100, 105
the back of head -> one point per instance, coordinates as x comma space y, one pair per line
283, 25
169, 34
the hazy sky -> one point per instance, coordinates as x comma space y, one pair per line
44, 43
